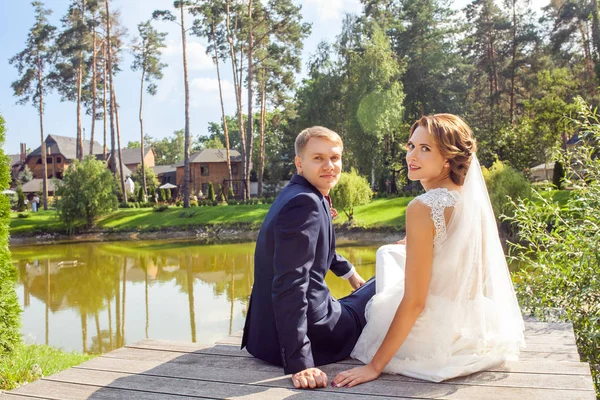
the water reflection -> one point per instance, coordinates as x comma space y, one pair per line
95, 297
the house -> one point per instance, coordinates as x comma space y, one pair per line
17, 162
60, 153
133, 157
166, 174
542, 172
210, 165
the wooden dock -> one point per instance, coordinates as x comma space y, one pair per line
154, 369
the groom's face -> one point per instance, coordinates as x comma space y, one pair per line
320, 163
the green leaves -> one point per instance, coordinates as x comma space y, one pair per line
351, 191
86, 192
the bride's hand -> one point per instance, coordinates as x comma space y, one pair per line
355, 376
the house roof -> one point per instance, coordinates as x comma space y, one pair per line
14, 159
67, 146
134, 156
543, 167
163, 169
36, 185
213, 156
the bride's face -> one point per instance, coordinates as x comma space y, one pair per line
425, 162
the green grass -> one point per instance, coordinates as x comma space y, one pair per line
31, 362
379, 213
41, 221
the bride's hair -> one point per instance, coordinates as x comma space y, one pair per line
454, 139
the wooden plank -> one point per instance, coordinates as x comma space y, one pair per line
50, 390
217, 368
200, 388
389, 389
231, 353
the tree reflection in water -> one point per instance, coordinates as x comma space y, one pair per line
175, 290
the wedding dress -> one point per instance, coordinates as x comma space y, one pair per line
471, 321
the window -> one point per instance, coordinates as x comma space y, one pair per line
205, 189
48, 160
204, 169
234, 169
39, 161
58, 160
236, 188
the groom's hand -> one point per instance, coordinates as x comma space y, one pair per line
356, 281
310, 378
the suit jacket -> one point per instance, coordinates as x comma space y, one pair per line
292, 318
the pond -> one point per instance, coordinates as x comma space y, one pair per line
96, 297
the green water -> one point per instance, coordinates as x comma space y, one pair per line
96, 297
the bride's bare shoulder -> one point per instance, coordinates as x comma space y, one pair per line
417, 210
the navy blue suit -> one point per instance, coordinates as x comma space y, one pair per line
293, 320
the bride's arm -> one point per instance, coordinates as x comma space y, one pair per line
419, 255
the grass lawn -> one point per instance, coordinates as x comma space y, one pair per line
28, 363
380, 213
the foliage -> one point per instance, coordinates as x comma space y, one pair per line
560, 244
86, 192
151, 178
558, 175
26, 175
31, 362
351, 191
160, 208
504, 183
211, 192
10, 324
20, 199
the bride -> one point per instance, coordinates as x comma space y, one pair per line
445, 304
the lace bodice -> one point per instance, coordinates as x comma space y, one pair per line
438, 200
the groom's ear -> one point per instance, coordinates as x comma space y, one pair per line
298, 162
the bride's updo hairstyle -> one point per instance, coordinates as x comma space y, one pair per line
454, 139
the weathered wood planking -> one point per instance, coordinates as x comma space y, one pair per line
548, 369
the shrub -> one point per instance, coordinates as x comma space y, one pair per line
504, 183
231, 195
193, 203
152, 196
559, 244
20, 199
86, 192
558, 175
23, 215
232, 202
211, 192
160, 208
351, 191
140, 195
10, 324
179, 203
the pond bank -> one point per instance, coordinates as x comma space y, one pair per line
208, 234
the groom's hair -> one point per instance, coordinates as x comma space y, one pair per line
316, 131
454, 139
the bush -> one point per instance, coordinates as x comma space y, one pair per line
160, 208
211, 192
10, 312
193, 203
179, 203
505, 183
559, 244
86, 192
232, 202
20, 199
23, 215
140, 195
558, 175
351, 191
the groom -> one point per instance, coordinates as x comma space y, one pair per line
293, 320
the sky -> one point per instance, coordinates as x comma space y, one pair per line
163, 113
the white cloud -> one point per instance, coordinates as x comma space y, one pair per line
211, 85
196, 55
333, 9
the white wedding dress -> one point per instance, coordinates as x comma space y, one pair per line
471, 321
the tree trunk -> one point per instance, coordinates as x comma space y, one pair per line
250, 78
94, 78
142, 132
43, 146
238, 98
104, 102
84, 331
79, 85
513, 63
112, 90
225, 128
261, 164
186, 148
124, 302
112, 105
